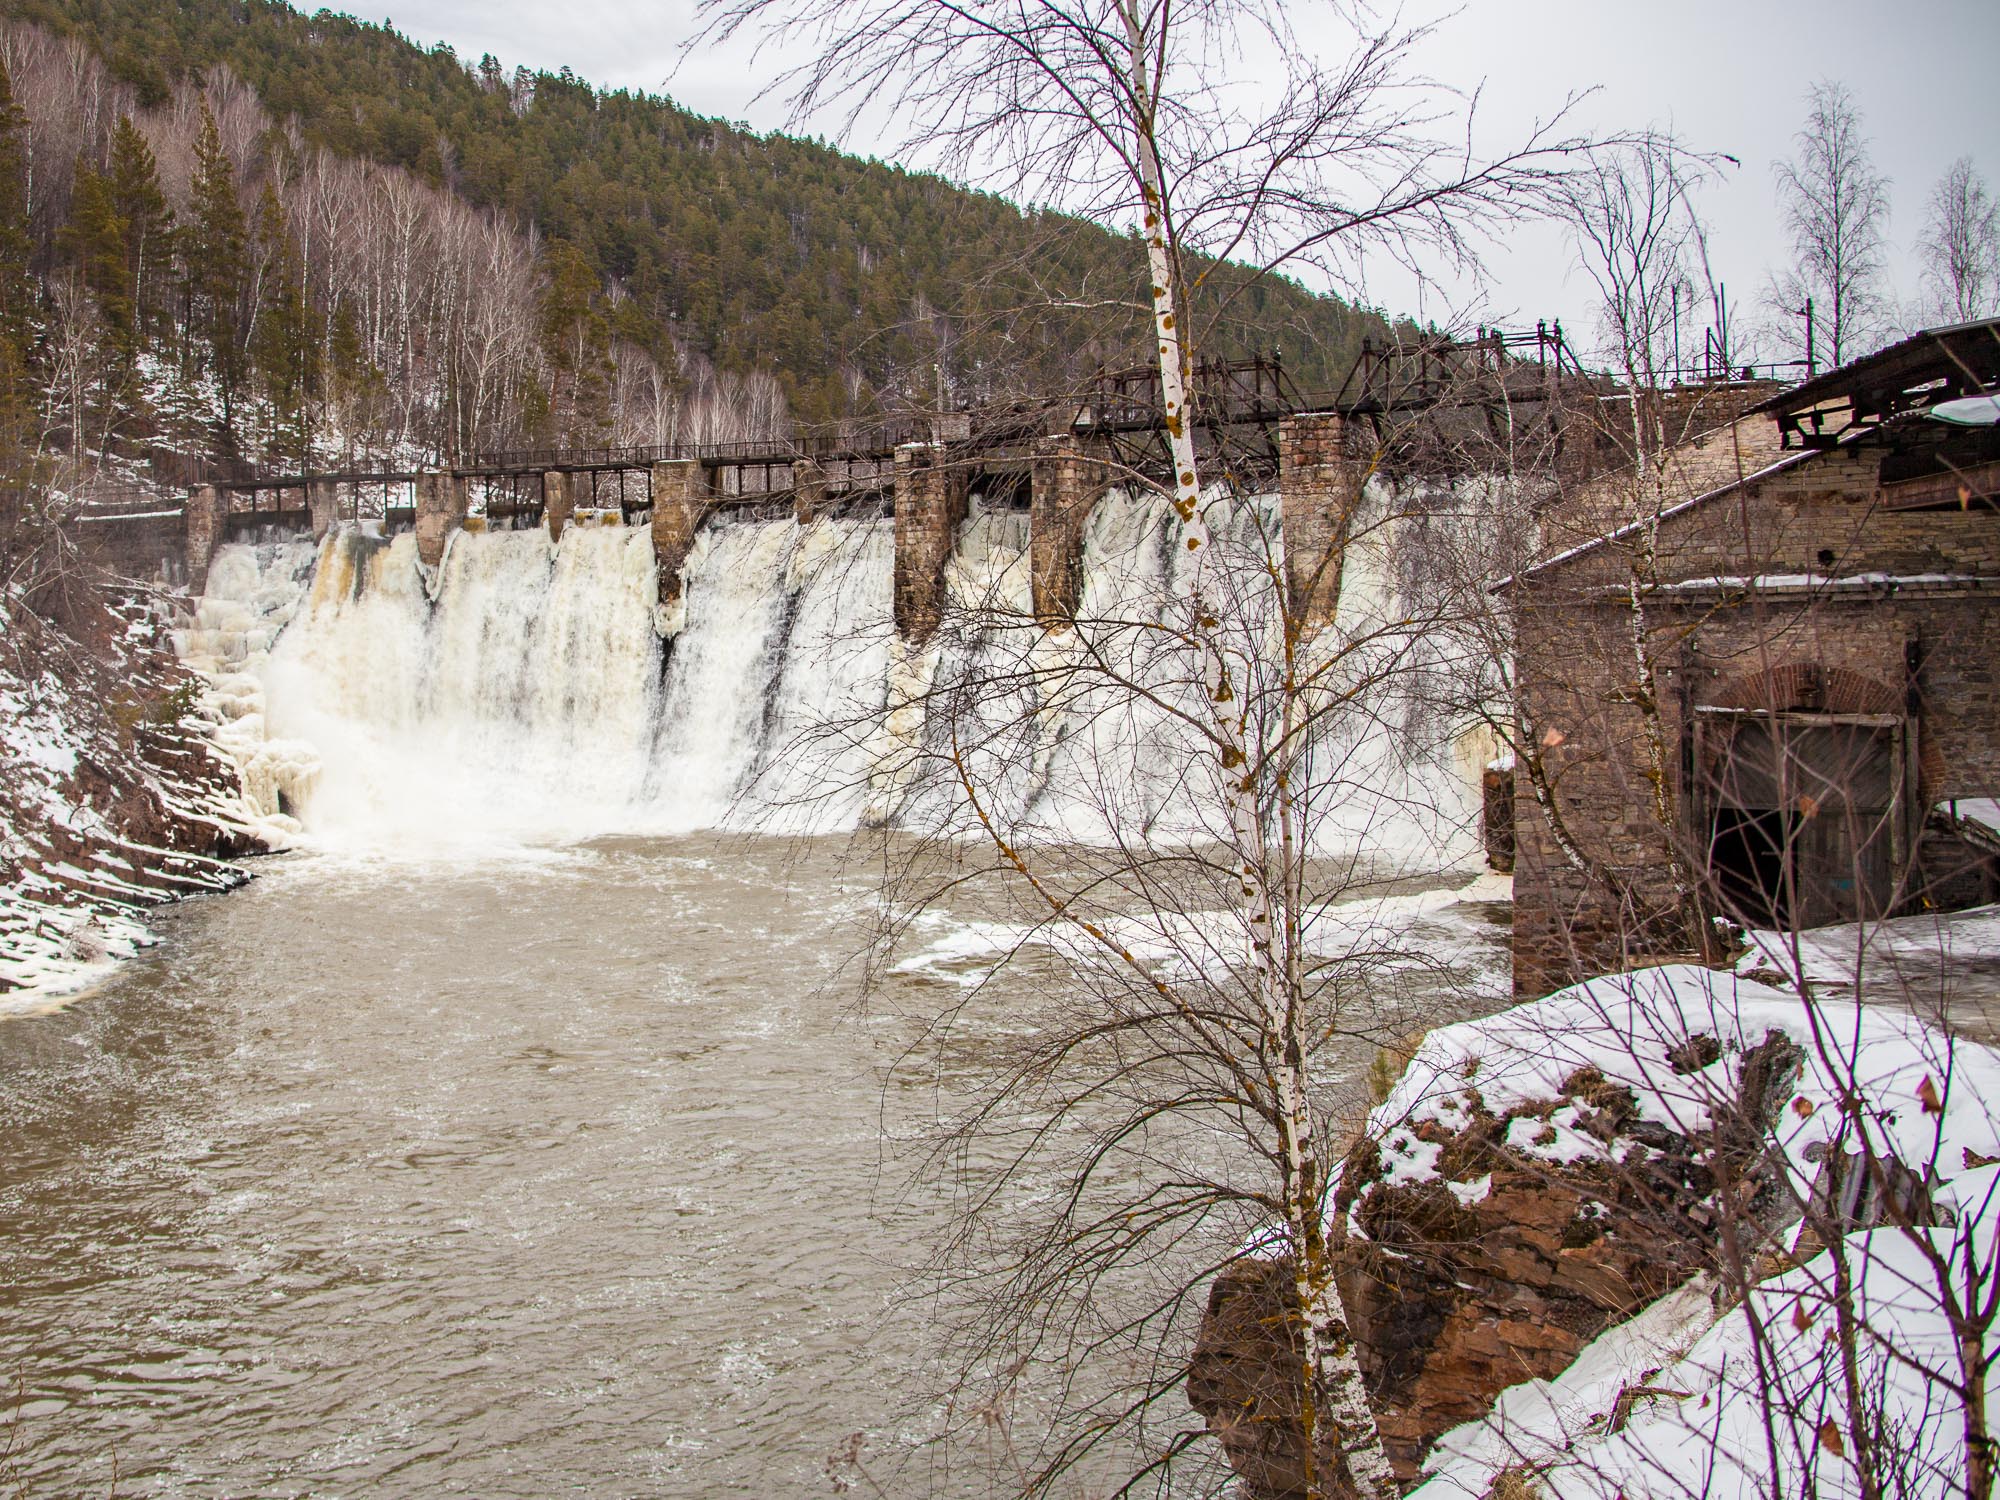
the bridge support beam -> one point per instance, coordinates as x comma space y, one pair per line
323, 505
680, 505
1320, 480
931, 497
808, 491
207, 522
440, 512
558, 504
1066, 479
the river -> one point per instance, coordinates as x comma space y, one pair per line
566, 1172
555, 1175
470, 1152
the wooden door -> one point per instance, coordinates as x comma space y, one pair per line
1802, 813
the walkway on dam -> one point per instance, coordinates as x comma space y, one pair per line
1053, 458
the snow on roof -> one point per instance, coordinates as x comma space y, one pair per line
1969, 411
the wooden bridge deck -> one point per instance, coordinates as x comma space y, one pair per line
1241, 403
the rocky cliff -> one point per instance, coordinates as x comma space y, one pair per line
112, 799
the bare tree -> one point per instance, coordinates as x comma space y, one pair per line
1137, 111
1961, 245
1640, 241
1836, 209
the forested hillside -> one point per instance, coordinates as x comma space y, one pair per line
250, 233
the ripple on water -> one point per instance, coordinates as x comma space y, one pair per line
388, 1176
558, 1174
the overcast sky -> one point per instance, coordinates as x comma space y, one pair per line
1728, 77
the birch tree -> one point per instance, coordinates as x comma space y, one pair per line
1836, 210
1138, 112
1961, 245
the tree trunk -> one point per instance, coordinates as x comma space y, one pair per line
1331, 1387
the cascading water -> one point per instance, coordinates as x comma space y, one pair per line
411, 1176
524, 694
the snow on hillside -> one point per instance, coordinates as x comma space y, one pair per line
111, 798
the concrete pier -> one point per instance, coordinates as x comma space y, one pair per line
558, 504
440, 512
323, 505
931, 500
808, 491
1066, 481
680, 505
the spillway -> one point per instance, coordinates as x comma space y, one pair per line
526, 691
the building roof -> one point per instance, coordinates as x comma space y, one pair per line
1925, 369
1583, 549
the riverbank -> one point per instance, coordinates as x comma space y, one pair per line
113, 798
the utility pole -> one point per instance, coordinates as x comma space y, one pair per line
1674, 301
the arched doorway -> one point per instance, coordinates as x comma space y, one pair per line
1804, 785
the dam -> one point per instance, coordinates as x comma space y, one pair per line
544, 1117
527, 1126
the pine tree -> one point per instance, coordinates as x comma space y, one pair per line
577, 338
17, 325
148, 222
217, 263
94, 241
285, 344
17, 287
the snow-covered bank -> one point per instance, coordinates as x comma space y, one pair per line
1704, 1392
111, 798
1905, 959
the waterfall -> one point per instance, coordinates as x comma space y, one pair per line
522, 694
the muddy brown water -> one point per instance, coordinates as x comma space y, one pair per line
558, 1173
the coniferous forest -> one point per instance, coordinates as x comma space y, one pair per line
233, 234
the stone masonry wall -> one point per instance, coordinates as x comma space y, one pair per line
207, 518
931, 496
323, 505
1320, 481
139, 546
1706, 444
1066, 481
1719, 643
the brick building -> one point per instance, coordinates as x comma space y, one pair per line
1773, 692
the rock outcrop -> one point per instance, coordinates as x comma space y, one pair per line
111, 797
1504, 1259
1244, 1379
1479, 1248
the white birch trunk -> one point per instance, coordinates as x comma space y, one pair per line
1332, 1385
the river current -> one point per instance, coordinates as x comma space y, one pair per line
559, 1175
470, 1151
